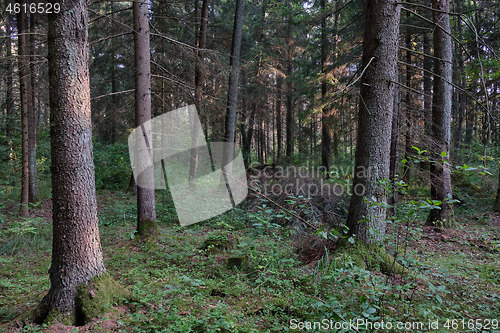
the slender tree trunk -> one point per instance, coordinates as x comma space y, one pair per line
232, 99
10, 121
380, 47
279, 134
427, 66
76, 253
326, 126
199, 81
146, 210
24, 84
409, 113
33, 174
394, 162
441, 116
289, 109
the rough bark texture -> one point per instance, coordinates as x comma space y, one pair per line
380, 44
76, 249
33, 174
441, 115
234, 78
24, 86
326, 126
146, 210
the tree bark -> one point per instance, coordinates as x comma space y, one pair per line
33, 174
289, 98
441, 115
9, 131
380, 47
146, 210
279, 130
394, 159
24, 86
199, 81
76, 253
427, 86
232, 99
326, 126
496, 206
409, 113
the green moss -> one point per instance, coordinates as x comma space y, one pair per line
98, 297
374, 257
147, 229
219, 241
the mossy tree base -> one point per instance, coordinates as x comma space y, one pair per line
92, 300
374, 257
147, 230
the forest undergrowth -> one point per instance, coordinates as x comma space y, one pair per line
257, 268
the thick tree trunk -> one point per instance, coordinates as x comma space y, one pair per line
24, 86
234, 77
76, 254
33, 178
146, 210
380, 50
326, 125
441, 116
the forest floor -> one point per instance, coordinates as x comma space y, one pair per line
234, 273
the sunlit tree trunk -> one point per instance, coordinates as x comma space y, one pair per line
326, 121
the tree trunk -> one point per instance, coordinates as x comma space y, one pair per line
76, 253
9, 131
394, 161
427, 66
441, 116
232, 99
33, 174
279, 130
326, 126
24, 86
409, 113
496, 206
199, 81
146, 210
380, 47
289, 104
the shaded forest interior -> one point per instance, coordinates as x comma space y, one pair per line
370, 136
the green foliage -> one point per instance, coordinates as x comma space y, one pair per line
112, 166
